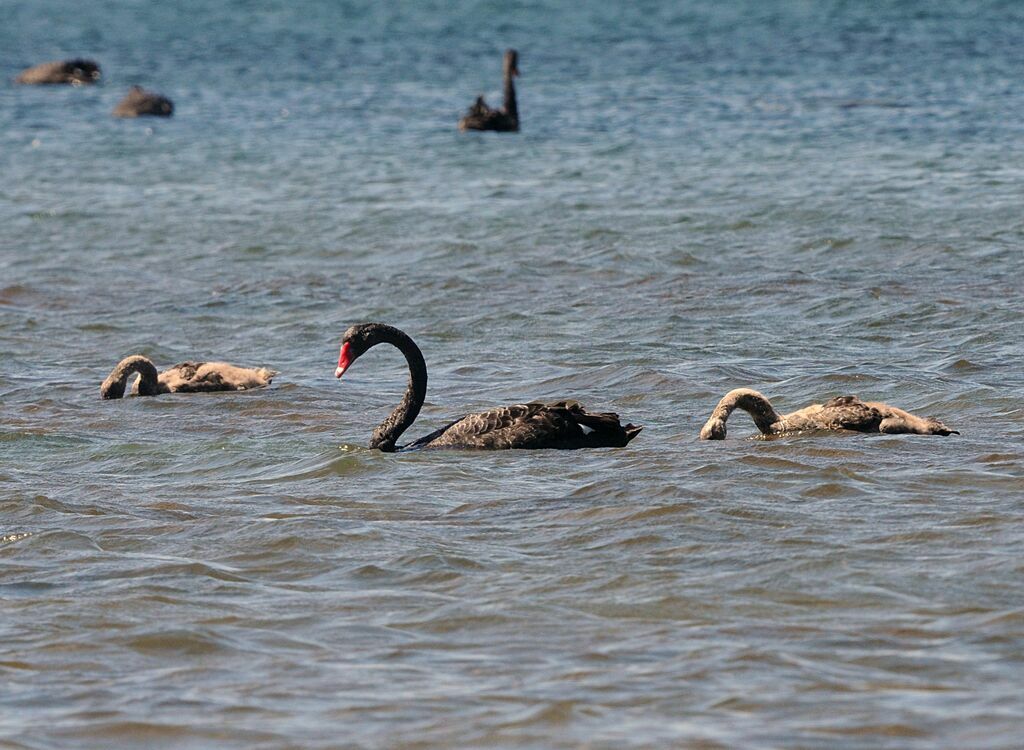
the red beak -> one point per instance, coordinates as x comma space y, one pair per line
344, 360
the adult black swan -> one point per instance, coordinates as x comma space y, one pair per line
564, 424
506, 119
188, 377
836, 415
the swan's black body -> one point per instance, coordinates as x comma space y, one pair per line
482, 117
564, 424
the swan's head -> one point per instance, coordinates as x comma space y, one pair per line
354, 344
511, 62
713, 429
112, 387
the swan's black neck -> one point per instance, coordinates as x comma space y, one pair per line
510, 98
511, 69
387, 433
114, 385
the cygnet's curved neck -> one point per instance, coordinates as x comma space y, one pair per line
398, 421
114, 385
755, 404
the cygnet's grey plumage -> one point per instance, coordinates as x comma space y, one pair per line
139, 102
76, 72
188, 377
838, 414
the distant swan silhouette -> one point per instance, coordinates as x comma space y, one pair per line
76, 72
482, 117
188, 377
841, 413
564, 424
139, 103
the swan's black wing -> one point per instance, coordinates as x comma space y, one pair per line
564, 424
850, 413
427, 439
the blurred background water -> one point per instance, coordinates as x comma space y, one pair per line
810, 199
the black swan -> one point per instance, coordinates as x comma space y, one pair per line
138, 103
564, 424
837, 414
188, 377
76, 72
506, 119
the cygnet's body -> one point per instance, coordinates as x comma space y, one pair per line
141, 103
75, 72
838, 414
188, 377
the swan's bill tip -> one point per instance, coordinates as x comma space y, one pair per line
339, 371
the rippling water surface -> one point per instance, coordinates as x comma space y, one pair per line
810, 199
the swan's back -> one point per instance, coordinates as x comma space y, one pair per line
565, 425
138, 103
197, 377
850, 413
75, 72
482, 117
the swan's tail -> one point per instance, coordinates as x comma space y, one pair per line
604, 430
938, 428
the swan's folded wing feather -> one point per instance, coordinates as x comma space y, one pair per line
494, 428
480, 116
176, 379
197, 377
850, 413
186, 370
428, 439
563, 424
181, 378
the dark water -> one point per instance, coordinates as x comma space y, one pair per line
810, 199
